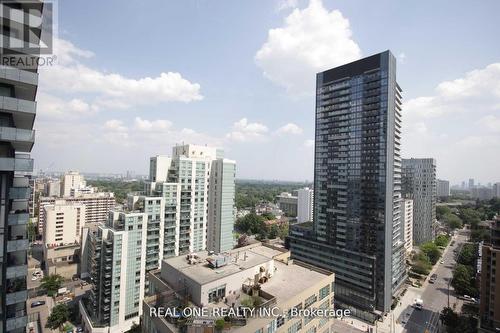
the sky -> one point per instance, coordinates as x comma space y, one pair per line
134, 78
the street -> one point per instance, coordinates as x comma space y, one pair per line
435, 296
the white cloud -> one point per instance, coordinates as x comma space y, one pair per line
459, 124
287, 4
243, 131
49, 106
289, 128
115, 125
112, 90
155, 125
478, 89
490, 122
311, 40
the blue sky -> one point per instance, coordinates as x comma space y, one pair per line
239, 74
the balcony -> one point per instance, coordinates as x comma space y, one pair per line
18, 75
21, 139
20, 164
17, 271
17, 245
19, 193
16, 297
16, 323
22, 110
18, 218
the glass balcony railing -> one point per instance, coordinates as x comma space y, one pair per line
19, 193
16, 134
16, 164
19, 75
17, 105
17, 245
17, 219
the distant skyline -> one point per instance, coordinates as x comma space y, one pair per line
240, 75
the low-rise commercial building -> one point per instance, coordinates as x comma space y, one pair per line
260, 276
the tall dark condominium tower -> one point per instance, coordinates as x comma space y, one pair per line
419, 184
18, 86
357, 230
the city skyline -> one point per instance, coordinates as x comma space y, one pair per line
264, 118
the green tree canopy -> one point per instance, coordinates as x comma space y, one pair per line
442, 211
58, 316
452, 221
52, 283
463, 280
467, 255
431, 251
442, 240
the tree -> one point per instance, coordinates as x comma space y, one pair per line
457, 323
136, 328
268, 216
52, 283
273, 231
58, 316
431, 251
442, 211
463, 280
442, 240
467, 255
452, 221
219, 324
283, 230
471, 217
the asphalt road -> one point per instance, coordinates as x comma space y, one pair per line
435, 296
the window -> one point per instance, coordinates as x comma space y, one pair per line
309, 301
323, 292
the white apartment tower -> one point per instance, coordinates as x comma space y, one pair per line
71, 180
64, 222
443, 188
407, 214
305, 205
183, 180
221, 206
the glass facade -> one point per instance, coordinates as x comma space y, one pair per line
357, 229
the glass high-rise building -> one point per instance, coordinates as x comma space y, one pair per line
18, 87
358, 231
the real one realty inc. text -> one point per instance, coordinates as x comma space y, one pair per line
246, 312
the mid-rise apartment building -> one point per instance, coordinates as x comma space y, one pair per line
496, 190
419, 184
18, 88
258, 273
119, 255
97, 207
71, 180
62, 238
443, 188
305, 205
489, 306
221, 209
64, 222
357, 230
185, 187
407, 215
288, 203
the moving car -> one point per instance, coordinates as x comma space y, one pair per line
418, 304
433, 278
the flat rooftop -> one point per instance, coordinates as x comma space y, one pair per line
240, 259
290, 280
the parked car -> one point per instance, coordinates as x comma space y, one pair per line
37, 303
